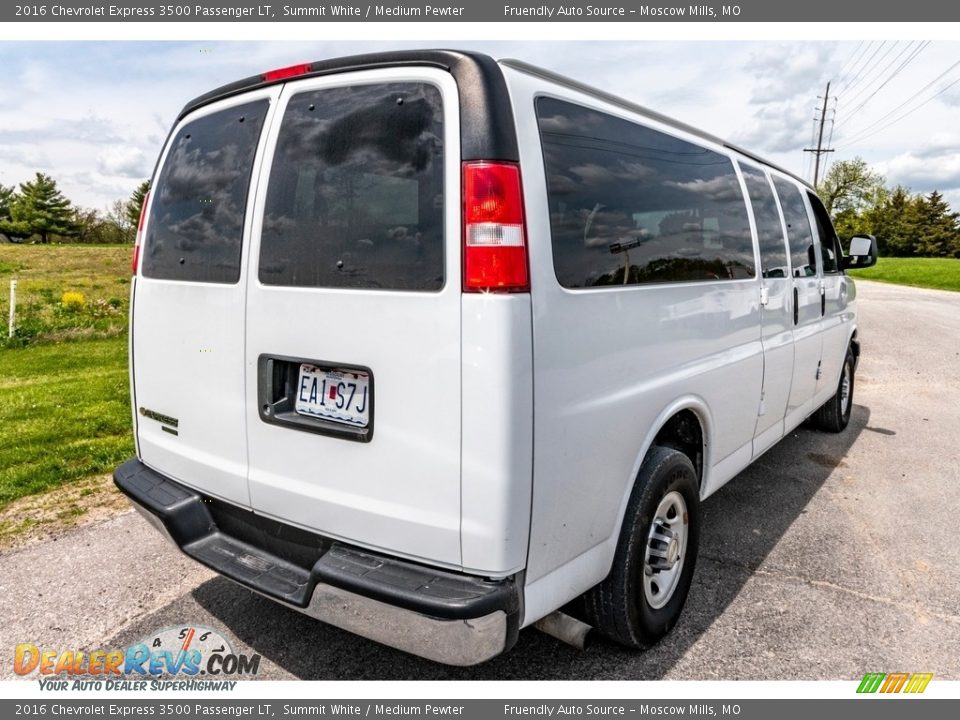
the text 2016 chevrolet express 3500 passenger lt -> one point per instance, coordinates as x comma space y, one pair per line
427, 345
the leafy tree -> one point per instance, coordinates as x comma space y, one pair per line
851, 186
40, 209
135, 203
87, 223
96, 227
903, 223
122, 228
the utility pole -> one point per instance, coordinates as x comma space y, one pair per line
820, 150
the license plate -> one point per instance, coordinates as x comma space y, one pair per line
341, 396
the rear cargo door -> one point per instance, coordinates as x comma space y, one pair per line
353, 313
190, 293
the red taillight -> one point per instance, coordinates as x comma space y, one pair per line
494, 247
287, 72
136, 244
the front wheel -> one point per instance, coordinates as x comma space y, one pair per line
834, 415
643, 596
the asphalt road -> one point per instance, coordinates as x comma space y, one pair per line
832, 556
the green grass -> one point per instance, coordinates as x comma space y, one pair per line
100, 274
64, 414
937, 273
64, 396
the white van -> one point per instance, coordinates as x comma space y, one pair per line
427, 345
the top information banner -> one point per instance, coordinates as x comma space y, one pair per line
516, 11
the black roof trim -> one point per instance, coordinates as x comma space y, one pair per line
553, 77
487, 130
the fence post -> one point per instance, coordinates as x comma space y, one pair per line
12, 324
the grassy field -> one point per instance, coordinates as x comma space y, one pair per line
64, 292
938, 273
64, 399
64, 414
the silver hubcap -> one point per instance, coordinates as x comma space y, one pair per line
666, 549
845, 389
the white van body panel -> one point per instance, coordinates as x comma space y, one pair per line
602, 382
194, 333
838, 321
808, 330
776, 317
497, 457
400, 492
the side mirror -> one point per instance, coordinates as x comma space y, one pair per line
863, 253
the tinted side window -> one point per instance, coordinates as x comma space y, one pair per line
356, 190
195, 230
631, 205
773, 247
799, 233
829, 243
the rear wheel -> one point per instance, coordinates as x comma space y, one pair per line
834, 415
642, 597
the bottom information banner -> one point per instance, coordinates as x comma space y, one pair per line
749, 709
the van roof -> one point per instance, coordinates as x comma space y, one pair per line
487, 130
486, 118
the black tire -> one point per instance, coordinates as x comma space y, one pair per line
834, 415
618, 607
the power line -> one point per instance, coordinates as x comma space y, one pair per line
853, 98
833, 122
850, 76
909, 112
856, 79
808, 168
868, 73
856, 136
849, 58
910, 58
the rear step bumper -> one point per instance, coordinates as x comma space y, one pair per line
444, 616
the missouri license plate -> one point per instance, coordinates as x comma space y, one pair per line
341, 396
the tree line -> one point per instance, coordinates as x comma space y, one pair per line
37, 211
906, 224
858, 199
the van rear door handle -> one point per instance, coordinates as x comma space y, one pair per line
796, 305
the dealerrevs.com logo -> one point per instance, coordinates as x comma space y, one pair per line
189, 657
894, 683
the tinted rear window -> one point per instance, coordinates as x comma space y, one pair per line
629, 204
773, 249
195, 230
799, 232
355, 198
829, 242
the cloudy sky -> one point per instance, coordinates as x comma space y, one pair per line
94, 114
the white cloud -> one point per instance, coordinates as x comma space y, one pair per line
923, 173
777, 128
783, 72
124, 160
94, 115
